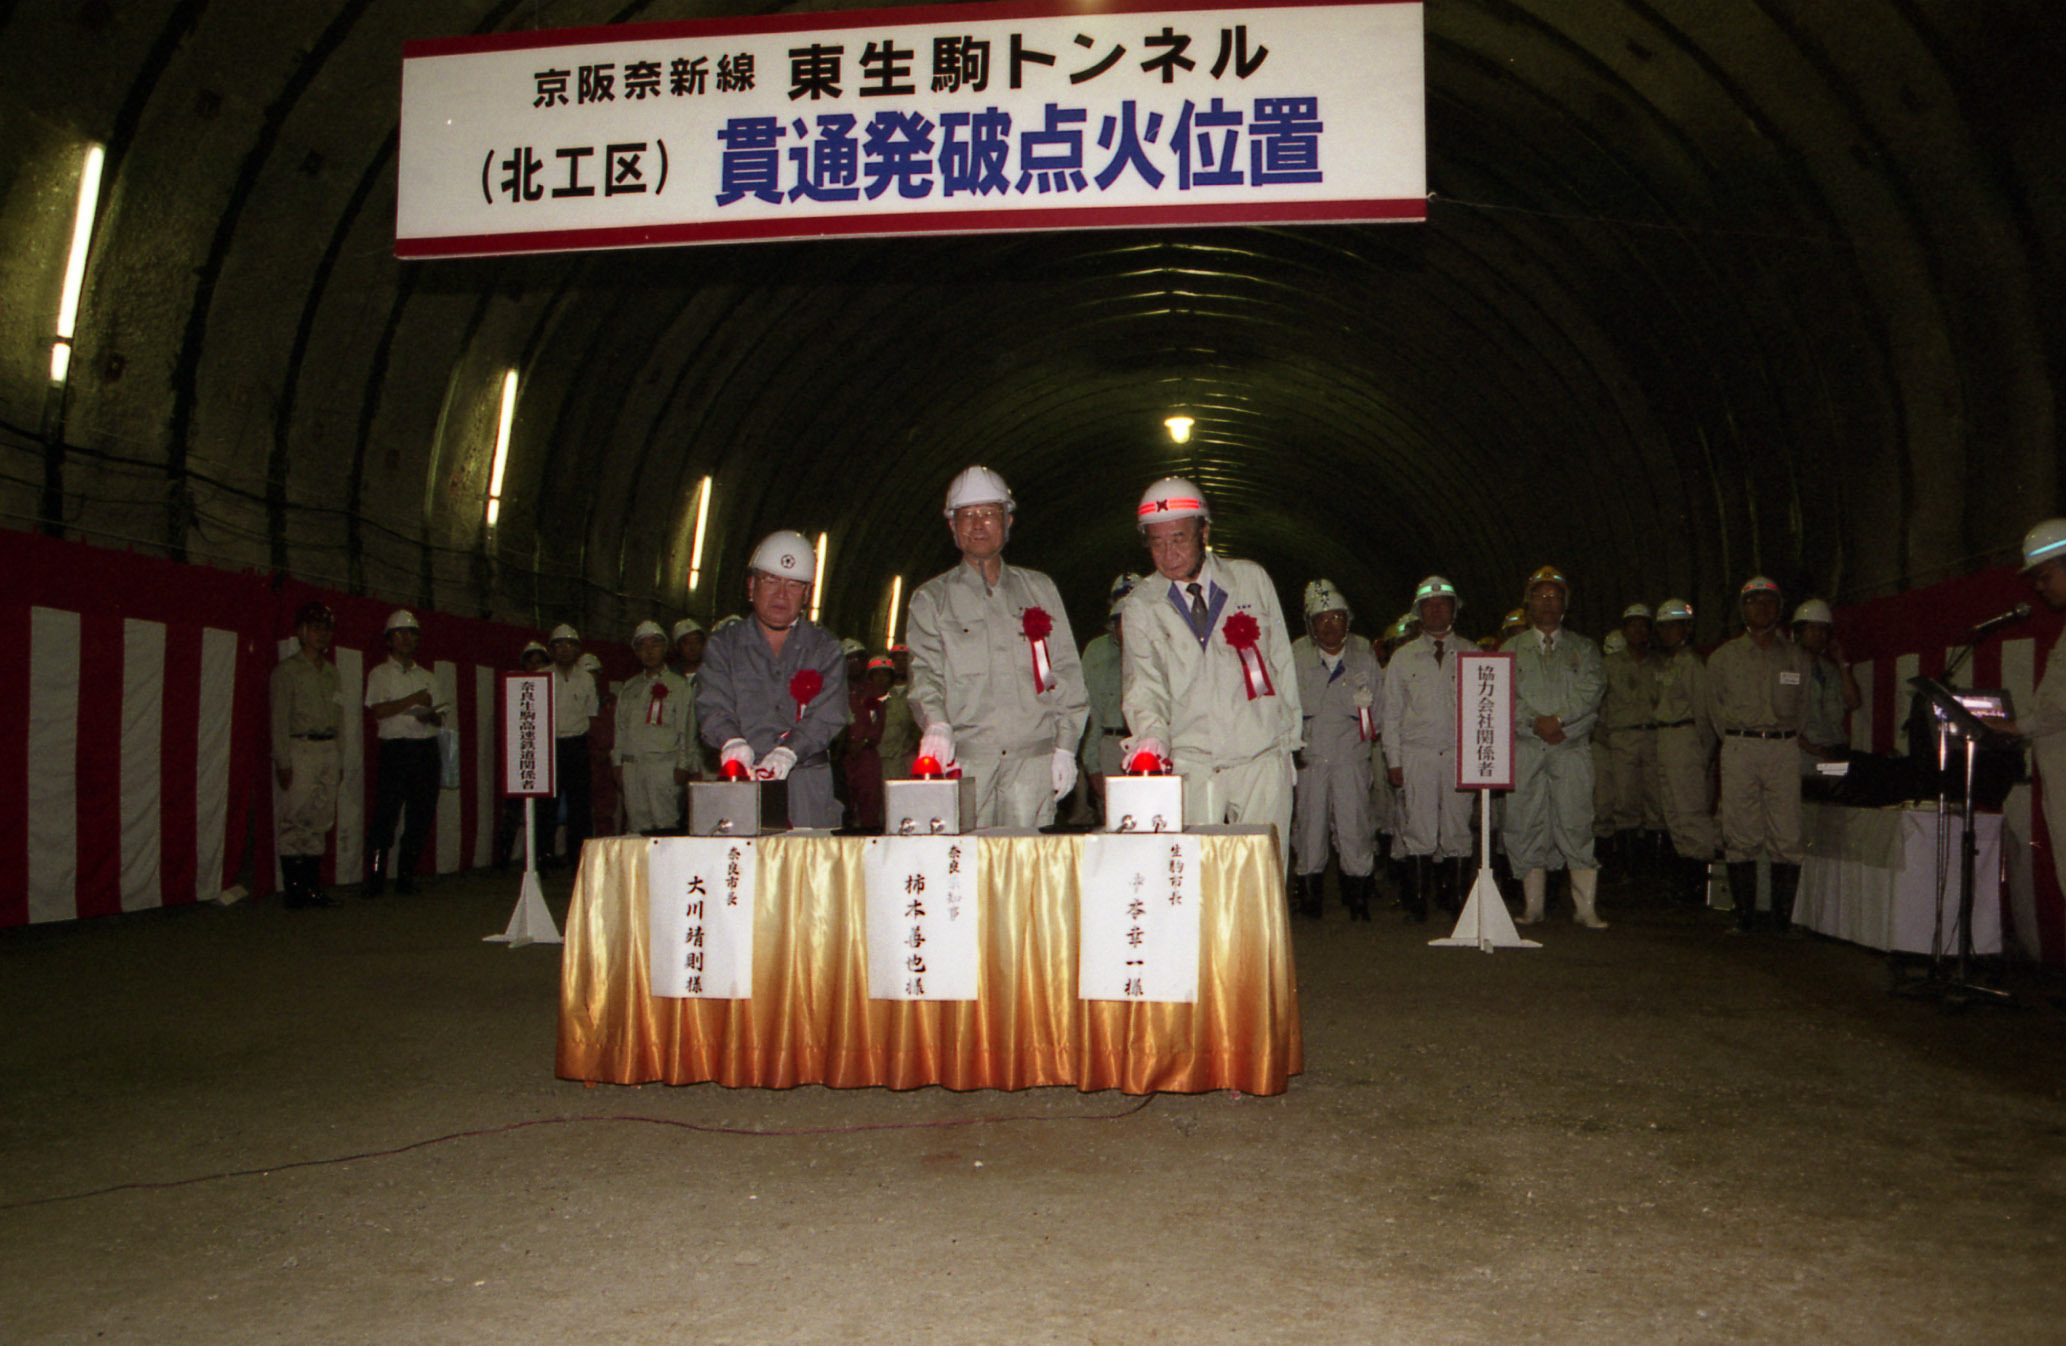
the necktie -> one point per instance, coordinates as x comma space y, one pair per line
1201, 621
1438, 652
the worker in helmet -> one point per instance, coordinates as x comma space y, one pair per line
688, 639
1340, 688
1420, 743
307, 717
576, 702
1209, 685
1833, 691
1106, 725
1633, 819
403, 698
772, 695
2044, 721
653, 751
1558, 683
1757, 688
1682, 767
996, 683
899, 743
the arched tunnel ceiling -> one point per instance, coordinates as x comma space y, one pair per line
1766, 284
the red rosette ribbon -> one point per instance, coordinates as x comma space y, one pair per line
656, 702
1242, 633
1037, 625
805, 685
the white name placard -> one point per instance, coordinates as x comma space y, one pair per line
1485, 721
699, 916
921, 919
1035, 114
1139, 923
527, 735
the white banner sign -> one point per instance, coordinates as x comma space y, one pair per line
921, 918
1140, 919
699, 917
1485, 721
527, 735
959, 119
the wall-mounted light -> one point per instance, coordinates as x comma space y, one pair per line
889, 632
502, 424
75, 266
1180, 428
696, 547
824, 567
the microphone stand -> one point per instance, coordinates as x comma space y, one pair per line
1955, 721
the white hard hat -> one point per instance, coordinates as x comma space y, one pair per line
2045, 542
1322, 596
1172, 498
1814, 610
687, 626
1615, 643
1434, 586
563, 632
589, 663
647, 630
852, 646
1636, 610
1674, 610
401, 619
978, 486
532, 648
786, 554
1758, 584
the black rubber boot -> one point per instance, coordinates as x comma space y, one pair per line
1419, 883
1743, 891
1312, 895
1692, 888
1786, 882
1355, 895
376, 875
1461, 875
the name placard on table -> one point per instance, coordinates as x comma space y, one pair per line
922, 921
699, 906
1139, 927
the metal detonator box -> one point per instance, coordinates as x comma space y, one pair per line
1144, 803
738, 808
930, 807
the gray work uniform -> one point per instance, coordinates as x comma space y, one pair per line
655, 738
1680, 771
1628, 714
972, 668
1420, 739
743, 691
307, 717
1333, 792
1754, 702
1190, 693
1825, 719
1105, 728
1549, 815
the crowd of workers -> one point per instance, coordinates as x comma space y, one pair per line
1636, 751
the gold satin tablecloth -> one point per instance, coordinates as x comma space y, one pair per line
810, 1020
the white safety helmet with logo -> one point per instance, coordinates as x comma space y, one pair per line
1814, 610
1759, 584
1435, 586
1674, 610
1172, 498
1635, 610
851, 647
978, 486
2045, 542
785, 554
687, 626
647, 631
401, 619
1322, 596
563, 632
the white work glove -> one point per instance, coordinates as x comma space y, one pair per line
938, 743
736, 750
775, 766
1065, 772
1134, 747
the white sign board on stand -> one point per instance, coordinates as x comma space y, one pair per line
1139, 927
1485, 762
922, 921
699, 916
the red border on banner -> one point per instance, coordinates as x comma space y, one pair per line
1401, 210
960, 15
1466, 723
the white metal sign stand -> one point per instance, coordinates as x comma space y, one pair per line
1485, 762
527, 772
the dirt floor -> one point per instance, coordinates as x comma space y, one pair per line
343, 1127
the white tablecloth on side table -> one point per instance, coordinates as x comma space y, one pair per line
1871, 878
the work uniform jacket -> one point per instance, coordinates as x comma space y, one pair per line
1333, 792
654, 738
742, 691
1549, 815
1434, 817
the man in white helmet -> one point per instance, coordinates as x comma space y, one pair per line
576, 700
1628, 719
1833, 691
403, 698
1757, 686
2043, 722
688, 639
1682, 768
307, 717
1435, 838
772, 695
1340, 690
1209, 685
996, 684
653, 751
1106, 726
1549, 816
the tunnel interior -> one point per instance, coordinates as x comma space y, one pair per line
1703, 291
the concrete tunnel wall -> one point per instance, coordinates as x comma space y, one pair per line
1767, 285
